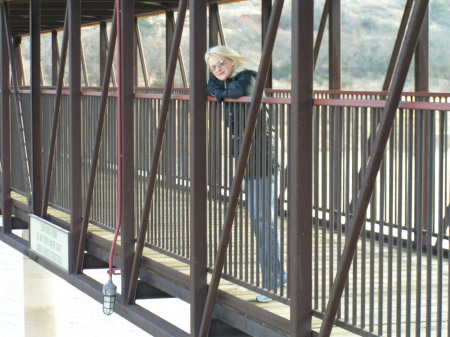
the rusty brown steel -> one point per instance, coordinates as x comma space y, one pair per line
131, 291
169, 34
421, 57
55, 56
266, 9
75, 128
98, 138
320, 31
216, 32
5, 143
374, 163
18, 106
240, 166
421, 83
56, 116
141, 53
213, 25
83, 66
334, 49
300, 222
104, 43
171, 27
198, 164
398, 44
35, 106
102, 48
17, 40
125, 143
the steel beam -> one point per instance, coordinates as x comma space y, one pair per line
98, 138
25, 166
213, 25
103, 49
321, 30
35, 106
392, 63
5, 127
125, 108
140, 242
334, 51
266, 9
74, 7
181, 61
170, 31
421, 59
141, 55
56, 115
421, 83
216, 33
83, 66
198, 163
398, 44
241, 165
55, 55
300, 169
17, 40
373, 166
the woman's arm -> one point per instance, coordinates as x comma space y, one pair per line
240, 85
215, 88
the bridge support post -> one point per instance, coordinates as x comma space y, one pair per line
197, 112
300, 169
75, 125
5, 130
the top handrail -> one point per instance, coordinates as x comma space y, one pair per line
333, 101
269, 90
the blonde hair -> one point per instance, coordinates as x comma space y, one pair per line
240, 62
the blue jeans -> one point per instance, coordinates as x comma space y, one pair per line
262, 201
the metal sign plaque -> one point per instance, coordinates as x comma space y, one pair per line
49, 241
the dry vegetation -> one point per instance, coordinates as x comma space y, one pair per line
368, 28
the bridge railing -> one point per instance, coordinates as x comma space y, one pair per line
406, 230
398, 280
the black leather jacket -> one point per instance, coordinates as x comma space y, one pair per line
263, 155
241, 84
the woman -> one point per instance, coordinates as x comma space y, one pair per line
234, 76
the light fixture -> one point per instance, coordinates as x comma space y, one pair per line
109, 297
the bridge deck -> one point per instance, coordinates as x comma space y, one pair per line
172, 276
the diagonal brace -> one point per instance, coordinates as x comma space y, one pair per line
240, 166
98, 139
157, 152
20, 122
373, 166
56, 115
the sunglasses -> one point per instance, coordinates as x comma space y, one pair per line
216, 66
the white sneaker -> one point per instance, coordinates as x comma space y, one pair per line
263, 299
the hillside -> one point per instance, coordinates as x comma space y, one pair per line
368, 29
